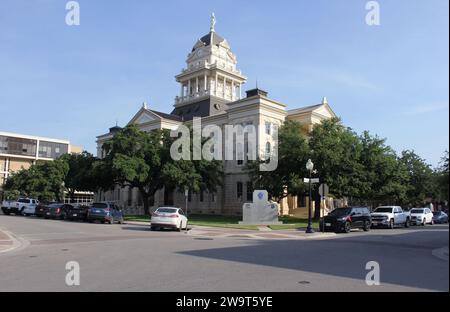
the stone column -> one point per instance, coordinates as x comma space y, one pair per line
217, 78
206, 83
196, 85
189, 87
232, 90
224, 86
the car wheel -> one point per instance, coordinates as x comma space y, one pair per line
111, 221
347, 227
366, 226
391, 224
424, 222
180, 226
432, 222
407, 223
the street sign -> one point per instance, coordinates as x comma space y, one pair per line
324, 190
315, 180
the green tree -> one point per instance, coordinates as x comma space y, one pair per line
142, 160
287, 178
80, 174
420, 179
43, 180
384, 177
441, 177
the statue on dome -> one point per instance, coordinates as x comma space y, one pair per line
213, 21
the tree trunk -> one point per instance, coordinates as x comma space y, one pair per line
145, 197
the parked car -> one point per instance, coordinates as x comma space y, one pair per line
168, 217
58, 211
345, 219
390, 216
105, 212
41, 210
421, 216
440, 217
79, 213
23, 206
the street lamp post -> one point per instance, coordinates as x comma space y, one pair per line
310, 167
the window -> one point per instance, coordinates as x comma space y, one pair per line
201, 196
213, 197
239, 190
268, 128
189, 196
249, 191
268, 148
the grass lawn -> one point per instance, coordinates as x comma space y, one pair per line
233, 222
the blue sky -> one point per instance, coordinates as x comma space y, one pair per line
75, 82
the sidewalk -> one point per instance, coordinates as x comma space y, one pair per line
262, 233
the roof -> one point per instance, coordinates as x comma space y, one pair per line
304, 109
216, 39
165, 115
311, 109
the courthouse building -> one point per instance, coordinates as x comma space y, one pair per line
211, 87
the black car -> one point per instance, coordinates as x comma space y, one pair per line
345, 219
57, 211
105, 212
440, 217
77, 213
41, 210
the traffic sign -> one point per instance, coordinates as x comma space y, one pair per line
324, 190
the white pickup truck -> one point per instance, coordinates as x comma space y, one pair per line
390, 216
23, 206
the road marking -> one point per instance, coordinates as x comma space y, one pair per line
441, 253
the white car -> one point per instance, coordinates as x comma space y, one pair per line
168, 217
390, 216
421, 216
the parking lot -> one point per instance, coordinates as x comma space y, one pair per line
133, 258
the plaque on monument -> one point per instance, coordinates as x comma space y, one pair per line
261, 211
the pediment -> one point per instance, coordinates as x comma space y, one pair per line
144, 116
325, 111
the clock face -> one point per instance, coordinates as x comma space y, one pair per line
199, 52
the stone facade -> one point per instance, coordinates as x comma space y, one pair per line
211, 89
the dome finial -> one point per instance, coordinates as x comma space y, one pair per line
144, 105
324, 100
213, 22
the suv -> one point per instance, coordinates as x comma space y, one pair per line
105, 212
421, 216
390, 216
345, 219
23, 206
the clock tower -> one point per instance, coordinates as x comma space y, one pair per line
211, 79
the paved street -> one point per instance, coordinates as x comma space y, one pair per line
131, 258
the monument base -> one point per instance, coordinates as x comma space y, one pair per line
260, 223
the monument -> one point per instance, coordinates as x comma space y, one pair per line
261, 211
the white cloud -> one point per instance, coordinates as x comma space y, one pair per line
427, 108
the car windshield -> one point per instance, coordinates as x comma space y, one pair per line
340, 212
437, 213
23, 200
99, 205
167, 210
55, 205
383, 209
416, 210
